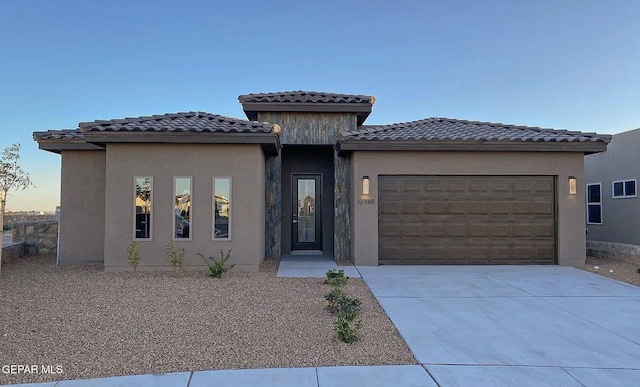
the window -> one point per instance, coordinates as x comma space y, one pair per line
142, 207
182, 208
222, 208
594, 204
624, 189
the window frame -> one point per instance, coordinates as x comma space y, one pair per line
135, 196
588, 203
213, 208
624, 189
173, 210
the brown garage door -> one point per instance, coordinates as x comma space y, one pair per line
466, 220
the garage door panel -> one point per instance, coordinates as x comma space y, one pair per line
452, 207
434, 230
519, 207
413, 229
498, 206
434, 207
478, 207
543, 208
467, 219
457, 229
457, 185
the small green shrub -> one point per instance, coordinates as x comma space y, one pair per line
346, 328
175, 257
336, 278
349, 306
338, 302
333, 298
133, 254
218, 266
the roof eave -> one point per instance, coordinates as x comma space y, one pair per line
377, 145
57, 146
363, 110
267, 140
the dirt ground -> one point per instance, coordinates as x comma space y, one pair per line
625, 270
94, 323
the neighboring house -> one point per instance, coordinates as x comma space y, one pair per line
613, 207
305, 176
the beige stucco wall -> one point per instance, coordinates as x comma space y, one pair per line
243, 163
81, 238
571, 214
620, 216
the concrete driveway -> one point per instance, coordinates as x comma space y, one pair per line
508, 325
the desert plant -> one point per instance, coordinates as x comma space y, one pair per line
133, 254
175, 257
336, 278
349, 306
218, 266
346, 328
338, 302
333, 298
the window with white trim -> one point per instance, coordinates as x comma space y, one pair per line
594, 203
182, 208
142, 199
624, 189
221, 208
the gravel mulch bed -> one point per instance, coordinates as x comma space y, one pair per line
625, 270
96, 324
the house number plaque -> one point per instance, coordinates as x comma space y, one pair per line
366, 201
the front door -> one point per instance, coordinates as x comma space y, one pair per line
307, 217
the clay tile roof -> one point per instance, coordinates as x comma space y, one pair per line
451, 130
178, 122
59, 135
301, 96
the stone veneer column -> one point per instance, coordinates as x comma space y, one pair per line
342, 215
273, 207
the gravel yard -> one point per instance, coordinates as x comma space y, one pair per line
625, 270
96, 324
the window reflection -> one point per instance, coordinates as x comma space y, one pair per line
182, 207
143, 207
306, 210
221, 207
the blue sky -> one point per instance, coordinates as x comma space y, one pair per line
560, 64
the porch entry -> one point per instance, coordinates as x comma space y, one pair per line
306, 212
307, 205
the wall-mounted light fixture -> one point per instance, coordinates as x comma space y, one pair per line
573, 185
365, 185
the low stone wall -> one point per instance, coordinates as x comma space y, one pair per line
39, 237
11, 252
610, 250
10, 219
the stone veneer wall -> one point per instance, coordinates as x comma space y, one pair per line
342, 219
38, 237
618, 251
273, 207
11, 252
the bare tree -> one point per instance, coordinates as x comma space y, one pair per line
12, 177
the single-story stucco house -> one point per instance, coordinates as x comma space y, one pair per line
613, 207
305, 175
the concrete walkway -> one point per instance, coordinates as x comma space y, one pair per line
312, 266
508, 326
409, 375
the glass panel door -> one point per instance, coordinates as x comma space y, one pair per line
306, 213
